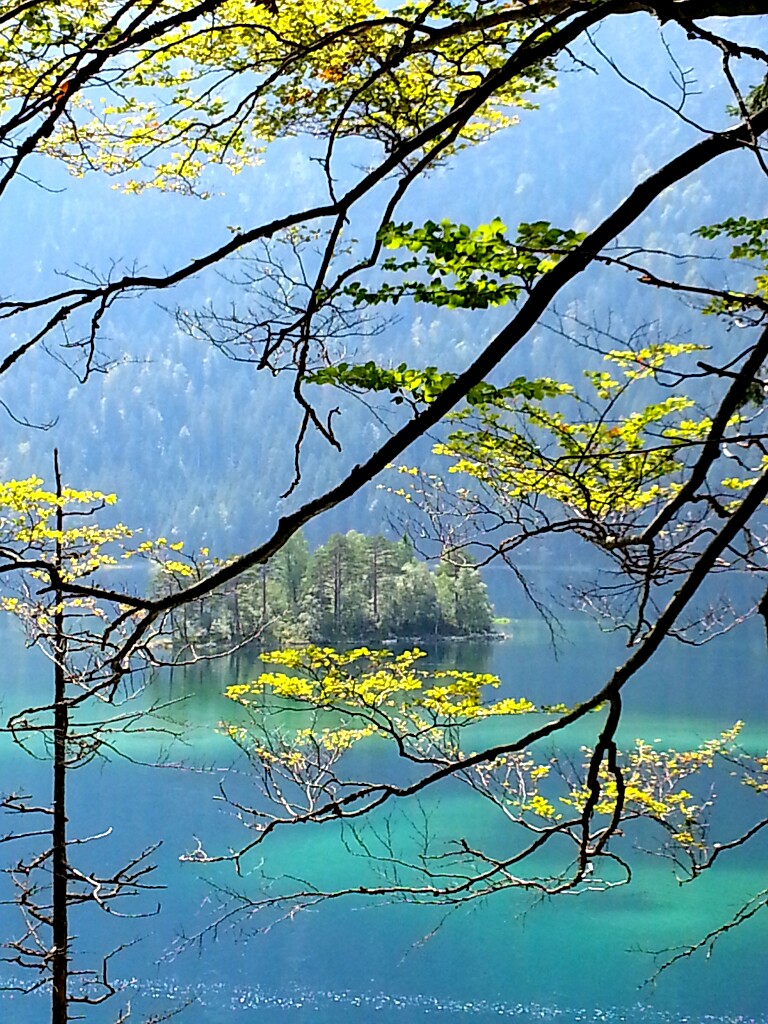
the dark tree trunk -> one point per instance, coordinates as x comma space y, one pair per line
375, 581
263, 573
60, 867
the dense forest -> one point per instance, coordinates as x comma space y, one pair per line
353, 587
203, 404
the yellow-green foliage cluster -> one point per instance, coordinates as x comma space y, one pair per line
514, 781
603, 464
757, 777
28, 521
57, 539
373, 692
358, 694
364, 679
179, 94
750, 236
653, 784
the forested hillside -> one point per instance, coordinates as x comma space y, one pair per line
173, 399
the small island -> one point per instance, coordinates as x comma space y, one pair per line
352, 588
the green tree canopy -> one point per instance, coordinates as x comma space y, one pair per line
353, 587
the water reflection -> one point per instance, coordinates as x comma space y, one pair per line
569, 959
222, 1002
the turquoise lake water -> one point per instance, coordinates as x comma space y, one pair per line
565, 959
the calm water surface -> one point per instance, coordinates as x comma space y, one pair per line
569, 959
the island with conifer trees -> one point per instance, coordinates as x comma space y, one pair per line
352, 588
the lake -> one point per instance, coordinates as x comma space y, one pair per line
508, 957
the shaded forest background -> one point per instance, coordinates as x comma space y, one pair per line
217, 429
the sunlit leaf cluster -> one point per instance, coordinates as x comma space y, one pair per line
750, 236
28, 523
464, 268
178, 85
653, 785
51, 540
587, 454
302, 722
361, 680
425, 384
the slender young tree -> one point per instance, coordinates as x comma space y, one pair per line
51, 538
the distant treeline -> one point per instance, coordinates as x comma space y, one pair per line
352, 587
